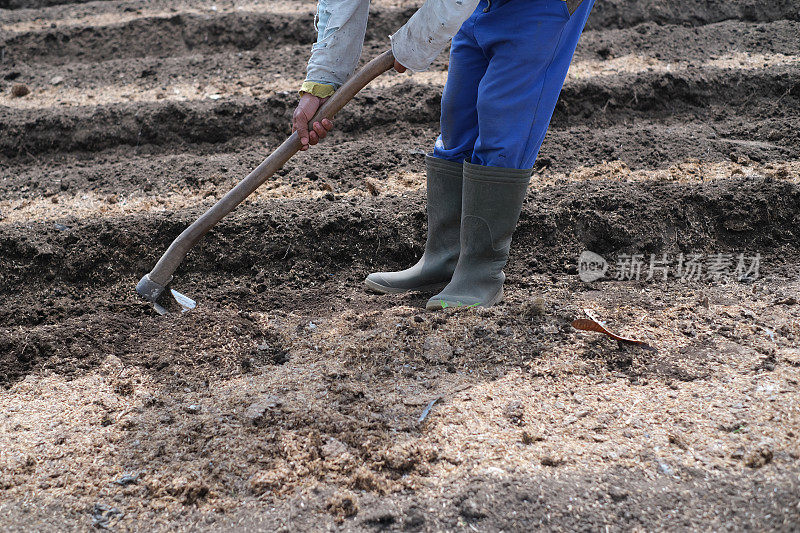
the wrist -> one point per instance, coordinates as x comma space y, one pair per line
320, 90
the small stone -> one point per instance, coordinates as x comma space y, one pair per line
372, 187
791, 356
55, 80
551, 460
470, 509
256, 413
610, 455
334, 448
530, 438
678, 440
193, 409
515, 413
102, 515
127, 479
617, 494
534, 308
436, 350
665, 469
19, 90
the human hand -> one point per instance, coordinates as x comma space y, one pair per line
306, 108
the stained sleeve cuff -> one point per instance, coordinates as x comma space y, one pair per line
320, 90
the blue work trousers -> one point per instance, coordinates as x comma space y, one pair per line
508, 63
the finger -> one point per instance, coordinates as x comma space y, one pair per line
312, 138
321, 132
328, 124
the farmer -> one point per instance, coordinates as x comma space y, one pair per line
508, 61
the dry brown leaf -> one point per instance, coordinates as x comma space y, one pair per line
594, 324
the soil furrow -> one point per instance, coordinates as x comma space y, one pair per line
681, 43
178, 34
191, 33
641, 145
625, 13
629, 99
117, 181
118, 178
225, 75
607, 14
35, 4
664, 43
753, 213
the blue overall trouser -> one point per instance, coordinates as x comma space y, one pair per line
508, 63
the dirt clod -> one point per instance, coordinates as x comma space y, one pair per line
436, 350
472, 510
759, 457
18, 90
342, 505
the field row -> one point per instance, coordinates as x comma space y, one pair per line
162, 32
648, 105
606, 14
760, 214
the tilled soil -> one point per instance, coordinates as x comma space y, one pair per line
291, 398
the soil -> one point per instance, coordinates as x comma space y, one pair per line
291, 398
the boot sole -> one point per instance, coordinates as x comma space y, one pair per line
383, 289
437, 305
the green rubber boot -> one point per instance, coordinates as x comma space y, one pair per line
490, 208
435, 268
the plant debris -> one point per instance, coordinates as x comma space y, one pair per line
595, 324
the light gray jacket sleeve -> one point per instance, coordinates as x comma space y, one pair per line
341, 25
429, 30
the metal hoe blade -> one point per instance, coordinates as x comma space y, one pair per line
152, 291
186, 303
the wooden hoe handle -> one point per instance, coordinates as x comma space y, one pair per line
172, 258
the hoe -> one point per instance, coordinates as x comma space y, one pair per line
154, 284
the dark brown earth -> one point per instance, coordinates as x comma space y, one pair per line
291, 398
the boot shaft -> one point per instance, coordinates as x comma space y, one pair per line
491, 202
444, 194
